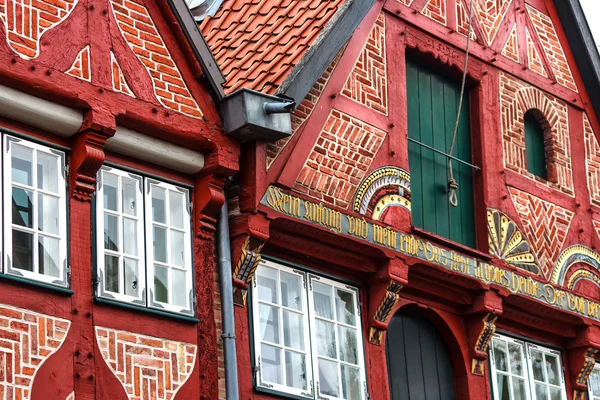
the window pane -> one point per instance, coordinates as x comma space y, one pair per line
594, 382
110, 183
295, 370
158, 204
328, 378
22, 207
541, 392
49, 254
351, 388
130, 245
48, 214
129, 188
344, 302
271, 364
131, 277
322, 300
555, 394
176, 207
22, 158
537, 365
348, 345
552, 371
47, 172
22, 243
293, 330
516, 359
500, 355
161, 284
111, 232
179, 288
503, 387
290, 291
269, 323
267, 284
177, 241
160, 244
111, 271
519, 389
326, 345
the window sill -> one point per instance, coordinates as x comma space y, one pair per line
31, 282
150, 311
451, 244
279, 394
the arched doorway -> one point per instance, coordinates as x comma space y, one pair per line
419, 364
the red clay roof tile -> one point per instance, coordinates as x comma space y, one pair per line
257, 43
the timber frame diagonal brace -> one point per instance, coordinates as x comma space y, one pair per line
481, 326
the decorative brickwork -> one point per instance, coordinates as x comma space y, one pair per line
592, 160
490, 14
82, 66
436, 10
534, 59
27, 339
339, 159
545, 224
143, 38
118, 79
147, 367
549, 39
516, 98
511, 48
304, 110
367, 84
597, 227
26, 21
462, 20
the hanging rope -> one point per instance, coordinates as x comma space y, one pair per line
452, 183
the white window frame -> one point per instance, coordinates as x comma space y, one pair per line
310, 335
526, 348
187, 248
101, 251
8, 268
596, 371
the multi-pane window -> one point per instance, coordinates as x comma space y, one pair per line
35, 211
307, 334
144, 252
525, 371
594, 384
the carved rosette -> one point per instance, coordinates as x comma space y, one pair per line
246, 267
385, 187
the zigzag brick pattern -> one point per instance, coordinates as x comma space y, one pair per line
462, 20
490, 14
147, 367
339, 159
304, 110
81, 67
436, 10
592, 159
26, 21
597, 227
511, 48
27, 339
545, 224
140, 33
554, 51
367, 84
516, 98
118, 79
535, 60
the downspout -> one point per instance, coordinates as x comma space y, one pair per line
224, 252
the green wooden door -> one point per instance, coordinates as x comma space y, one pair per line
432, 107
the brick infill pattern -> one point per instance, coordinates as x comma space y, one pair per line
436, 10
140, 33
511, 47
118, 79
535, 60
339, 159
147, 367
27, 339
592, 160
462, 20
82, 66
490, 14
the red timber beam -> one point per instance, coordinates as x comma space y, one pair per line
582, 358
480, 320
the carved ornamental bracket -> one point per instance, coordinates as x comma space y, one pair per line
208, 197
481, 326
582, 358
384, 295
249, 234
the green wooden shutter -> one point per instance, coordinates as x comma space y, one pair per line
432, 106
534, 146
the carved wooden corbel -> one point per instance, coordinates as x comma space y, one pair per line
384, 294
582, 358
87, 153
249, 234
481, 326
208, 198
